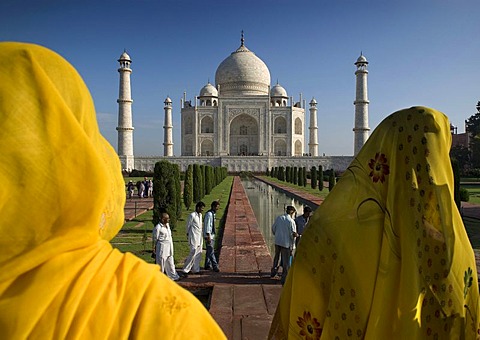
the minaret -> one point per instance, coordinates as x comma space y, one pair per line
313, 145
361, 105
167, 129
125, 127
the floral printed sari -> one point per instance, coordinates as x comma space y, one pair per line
386, 256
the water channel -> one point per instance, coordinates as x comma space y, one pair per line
268, 203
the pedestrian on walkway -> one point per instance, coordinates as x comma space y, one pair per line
284, 231
162, 235
62, 278
209, 235
195, 240
386, 255
301, 222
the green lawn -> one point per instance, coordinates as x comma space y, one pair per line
136, 235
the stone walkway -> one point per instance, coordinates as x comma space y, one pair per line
136, 206
244, 297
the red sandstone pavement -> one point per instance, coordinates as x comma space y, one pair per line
244, 296
136, 206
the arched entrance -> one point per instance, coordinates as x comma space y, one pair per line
244, 136
207, 148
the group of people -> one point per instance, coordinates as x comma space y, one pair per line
385, 256
162, 242
144, 188
288, 231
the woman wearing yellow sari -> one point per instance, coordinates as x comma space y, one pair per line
386, 256
60, 277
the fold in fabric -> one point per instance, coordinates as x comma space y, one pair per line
386, 256
61, 201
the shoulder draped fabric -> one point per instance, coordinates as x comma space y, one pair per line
60, 277
386, 255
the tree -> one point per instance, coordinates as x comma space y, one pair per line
188, 187
456, 183
320, 178
472, 127
331, 180
281, 173
166, 191
300, 177
197, 181
202, 181
208, 179
462, 155
295, 175
304, 174
313, 177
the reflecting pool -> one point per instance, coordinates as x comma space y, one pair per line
268, 203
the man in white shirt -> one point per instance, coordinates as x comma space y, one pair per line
162, 237
284, 230
209, 235
195, 240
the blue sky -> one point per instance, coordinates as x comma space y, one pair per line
421, 52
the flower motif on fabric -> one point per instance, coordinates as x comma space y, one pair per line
309, 327
379, 167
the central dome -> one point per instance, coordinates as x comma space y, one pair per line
242, 73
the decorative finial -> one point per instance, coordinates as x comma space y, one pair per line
208, 80
242, 40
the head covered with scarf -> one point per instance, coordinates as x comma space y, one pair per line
386, 254
61, 201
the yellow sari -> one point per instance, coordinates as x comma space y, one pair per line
386, 256
61, 202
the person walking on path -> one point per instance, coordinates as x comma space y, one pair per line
164, 247
284, 230
195, 240
209, 235
301, 222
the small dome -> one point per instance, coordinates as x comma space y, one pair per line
125, 57
313, 102
278, 91
361, 60
167, 100
208, 91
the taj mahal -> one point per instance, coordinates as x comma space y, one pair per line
242, 122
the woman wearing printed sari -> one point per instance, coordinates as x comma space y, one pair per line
386, 256
60, 277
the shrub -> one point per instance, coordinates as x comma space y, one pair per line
320, 178
313, 177
464, 195
188, 187
166, 191
331, 180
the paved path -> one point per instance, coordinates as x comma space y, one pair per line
136, 206
244, 297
